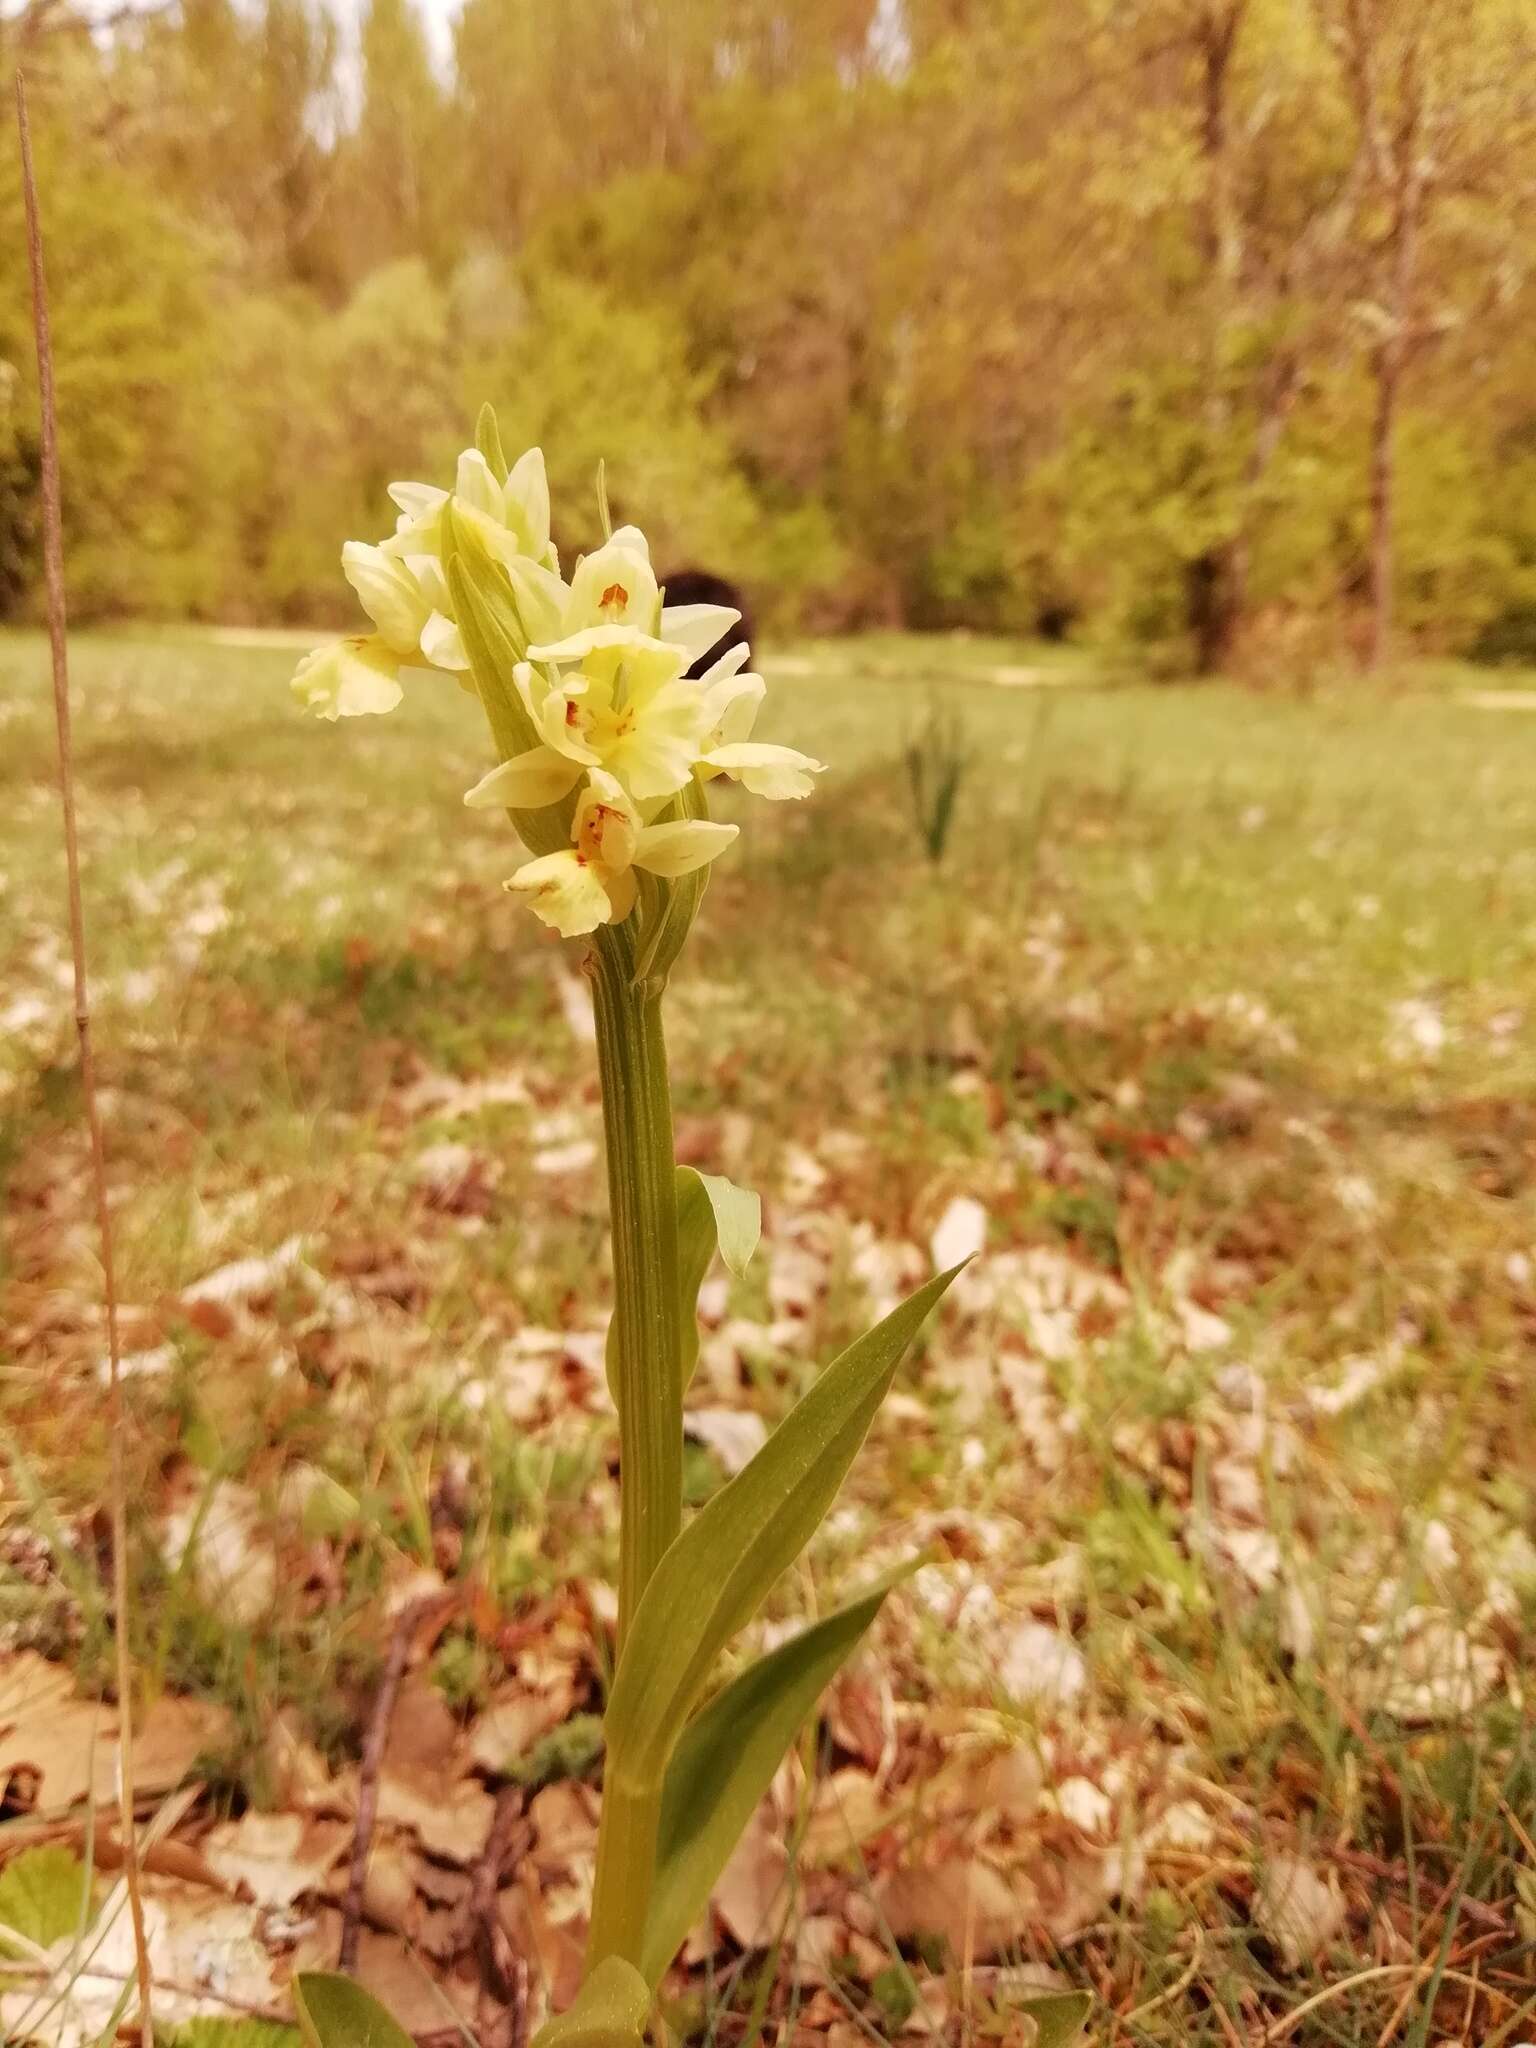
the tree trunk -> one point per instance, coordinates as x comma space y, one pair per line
1214, 593
1388, 368
1215, 582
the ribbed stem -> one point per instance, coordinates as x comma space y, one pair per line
642, 1200
642, 1197
626, 1870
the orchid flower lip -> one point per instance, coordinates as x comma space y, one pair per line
591, 882
593, 638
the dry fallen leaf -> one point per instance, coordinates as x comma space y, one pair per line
514, 1722
848, 1808
300, 1778
277, 1857
978, 1911
1430, 1670
994, 1783
391, 1891
423, 1783
961, 1233
1300, 1911
1041, 1667
247, 1280
204, 1950
564, 1817
749, 1895
734, 1435
421, 2000
553, 1947
71, 1743
233, 1563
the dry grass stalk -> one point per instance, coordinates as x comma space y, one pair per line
53, 571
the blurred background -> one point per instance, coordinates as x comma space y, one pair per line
1199, 328
1028, 363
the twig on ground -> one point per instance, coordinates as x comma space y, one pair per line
504, 1970
27, 1966
407, 1624
53, 574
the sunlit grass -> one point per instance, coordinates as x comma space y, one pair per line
1220, 998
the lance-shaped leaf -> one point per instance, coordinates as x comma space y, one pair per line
716, 1575
725, 1763
488, 441
333, 2012
494, 641
610, 2011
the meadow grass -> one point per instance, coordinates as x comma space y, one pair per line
1219, 1003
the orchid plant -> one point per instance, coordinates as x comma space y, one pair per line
606, 749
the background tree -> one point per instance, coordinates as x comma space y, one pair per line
1443, 94
1075, 316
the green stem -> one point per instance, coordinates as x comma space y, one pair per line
626, 1871
642, 1195
642, 1198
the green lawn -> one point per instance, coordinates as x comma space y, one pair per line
1219, 1004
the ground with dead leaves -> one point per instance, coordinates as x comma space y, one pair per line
1211, 1035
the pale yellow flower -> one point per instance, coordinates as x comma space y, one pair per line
512, 518
347, 678
510, 521
592, 881
407, 599
628, 708
616, 586
731, 700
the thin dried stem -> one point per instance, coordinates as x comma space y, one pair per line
430, 1614
53, 572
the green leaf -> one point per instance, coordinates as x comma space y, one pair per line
1059, 2017
229, 2033
893, 1991
713, 1214
44, 1895
738, 1215
604, 515
488, 441
716, 1575
726, 1760
611, 2011
336, 2013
